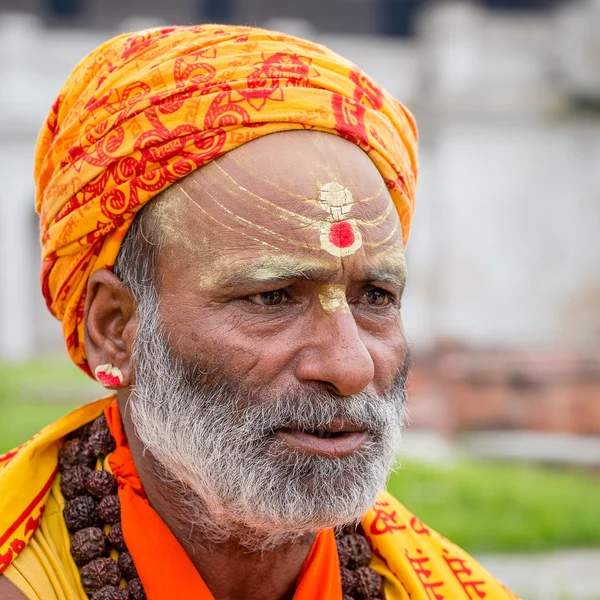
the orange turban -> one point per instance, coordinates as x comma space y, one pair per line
144, 110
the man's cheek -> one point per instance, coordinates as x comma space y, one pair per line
389, 358
257, 350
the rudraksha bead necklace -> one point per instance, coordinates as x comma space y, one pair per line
359, 581
93, 516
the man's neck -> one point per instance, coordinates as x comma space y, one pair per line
230, 571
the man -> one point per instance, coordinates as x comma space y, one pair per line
248, 318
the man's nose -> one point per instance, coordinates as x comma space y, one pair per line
337, 356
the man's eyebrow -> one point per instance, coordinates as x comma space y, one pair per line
275, 272
394, 274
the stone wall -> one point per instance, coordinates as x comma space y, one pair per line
461, 389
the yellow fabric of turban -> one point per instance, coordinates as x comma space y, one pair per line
145, 109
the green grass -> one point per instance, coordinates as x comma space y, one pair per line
35, 394
503, 507
483, 507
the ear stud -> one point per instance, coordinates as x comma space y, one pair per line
108, 375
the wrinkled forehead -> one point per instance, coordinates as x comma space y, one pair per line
303, 193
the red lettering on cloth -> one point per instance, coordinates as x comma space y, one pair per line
17, 546
385, 519
28, 510
32, 524
419, 565
5, 559
419, 527
463, 574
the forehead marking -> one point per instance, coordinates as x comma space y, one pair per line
281, 238
301, 218
336, 200
223, 224
386, 239
381, 218
333, 298
340, 239
236, 162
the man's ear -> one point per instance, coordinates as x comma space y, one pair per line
110, 318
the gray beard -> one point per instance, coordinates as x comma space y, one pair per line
228, 475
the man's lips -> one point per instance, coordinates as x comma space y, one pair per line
338, 439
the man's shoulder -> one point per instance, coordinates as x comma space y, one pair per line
9, 591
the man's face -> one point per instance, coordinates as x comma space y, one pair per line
271, 379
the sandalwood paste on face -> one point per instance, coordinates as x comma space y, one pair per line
333, 298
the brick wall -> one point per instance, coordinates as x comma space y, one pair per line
465, 389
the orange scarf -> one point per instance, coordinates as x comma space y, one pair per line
163, 565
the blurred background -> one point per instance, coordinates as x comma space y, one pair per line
503, 305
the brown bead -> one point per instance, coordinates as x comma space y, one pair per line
127, 567
136, 590
99, 424
353, 551
101, 442
80, 512
350, 529
88, 544
98, 573
111, 592
109, 510
73, 481
75, 452
348, 579
115, 537
368, 584
101, 484
344, 556
83, 432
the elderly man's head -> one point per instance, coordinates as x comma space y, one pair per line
265, 350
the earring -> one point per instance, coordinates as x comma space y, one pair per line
108, 375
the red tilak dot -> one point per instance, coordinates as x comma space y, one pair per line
341, 235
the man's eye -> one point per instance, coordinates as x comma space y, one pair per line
269, 298
379, 297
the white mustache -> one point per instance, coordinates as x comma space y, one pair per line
371, 413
